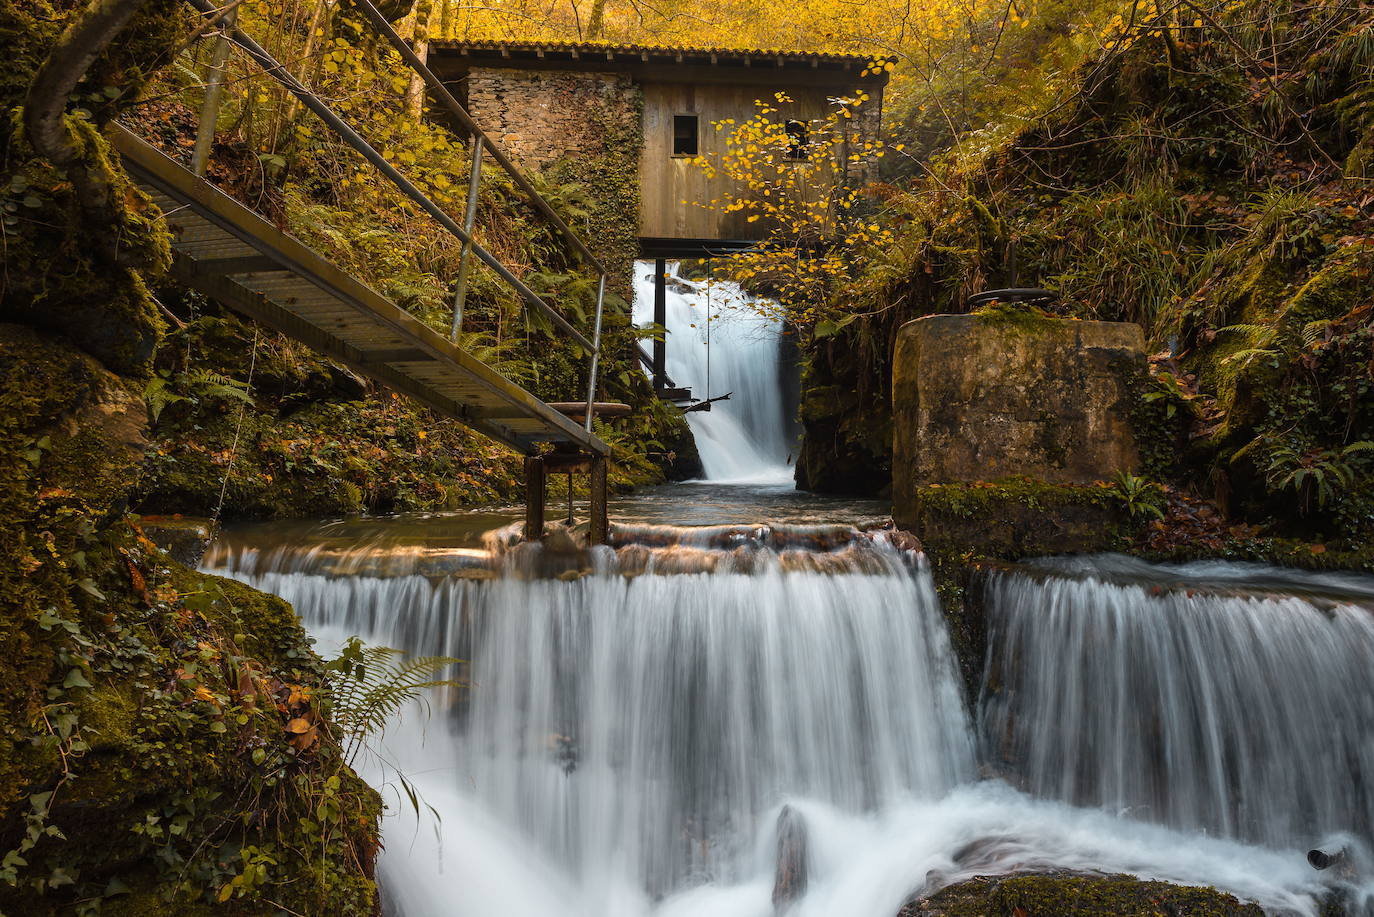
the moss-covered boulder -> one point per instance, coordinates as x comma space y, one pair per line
148, 757
1076, 896
1015, 517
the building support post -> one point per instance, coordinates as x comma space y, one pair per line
661, 319
600, 517
534, 497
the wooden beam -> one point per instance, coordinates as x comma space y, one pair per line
398, 355
600, 493
534, 498
577, 409
567, 463
661, 319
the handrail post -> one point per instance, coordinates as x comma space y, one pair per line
214, 88
596, 350
469, 220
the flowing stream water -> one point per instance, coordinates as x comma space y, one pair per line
642, 718
719, 342
1245, 709
631, 735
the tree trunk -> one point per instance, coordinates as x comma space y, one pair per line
45, 106
415, 92
318, 25
596, 22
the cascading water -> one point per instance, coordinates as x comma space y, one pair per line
629, 736
1245, 710
745, 438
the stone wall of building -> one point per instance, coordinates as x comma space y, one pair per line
539, 117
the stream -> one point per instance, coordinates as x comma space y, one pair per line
630, 736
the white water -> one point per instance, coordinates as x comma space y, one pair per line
1244, 715
629, 742
744, 439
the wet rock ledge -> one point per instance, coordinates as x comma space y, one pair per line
1075, 895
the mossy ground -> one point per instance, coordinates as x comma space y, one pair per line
1076, 896
147, 766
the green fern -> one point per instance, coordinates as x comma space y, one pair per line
1315, 472
1142, 498
371, 684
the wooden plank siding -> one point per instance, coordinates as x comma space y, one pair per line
236, 257
666, 181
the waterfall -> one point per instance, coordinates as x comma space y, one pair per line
746, 438
649, 721
629, 737
1243, 708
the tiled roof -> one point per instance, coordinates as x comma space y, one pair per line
621, 53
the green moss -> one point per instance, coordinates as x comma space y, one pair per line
1017, 517
75, 282
144, 761
1016, 316
1076, 896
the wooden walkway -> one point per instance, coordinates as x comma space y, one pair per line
234, 256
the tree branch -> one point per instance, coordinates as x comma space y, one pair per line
45, 106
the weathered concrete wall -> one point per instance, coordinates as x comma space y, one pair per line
983, 397
540, 117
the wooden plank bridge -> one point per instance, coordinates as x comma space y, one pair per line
234, 256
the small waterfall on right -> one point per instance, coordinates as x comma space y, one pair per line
744, 439
1208, 697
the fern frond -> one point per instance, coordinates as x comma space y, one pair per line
371, 684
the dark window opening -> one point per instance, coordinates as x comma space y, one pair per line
797, 139
684, 135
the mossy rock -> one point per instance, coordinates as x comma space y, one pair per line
1017, 517
1076, 896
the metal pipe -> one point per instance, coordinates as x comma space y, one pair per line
469, 220
380, 23
596, 351
355, 140
214, 88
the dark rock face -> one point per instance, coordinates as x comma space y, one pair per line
978, 398
789, 881
1014, 517
1075, 896
684, 462
185, 539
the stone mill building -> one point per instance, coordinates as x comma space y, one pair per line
549, 101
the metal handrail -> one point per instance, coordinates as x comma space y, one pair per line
350, 136
380, 23
480, 143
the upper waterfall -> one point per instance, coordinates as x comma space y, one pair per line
719, 343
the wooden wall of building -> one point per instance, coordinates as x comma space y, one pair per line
667, 180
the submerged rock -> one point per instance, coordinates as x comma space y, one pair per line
789, 880
1075, 895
